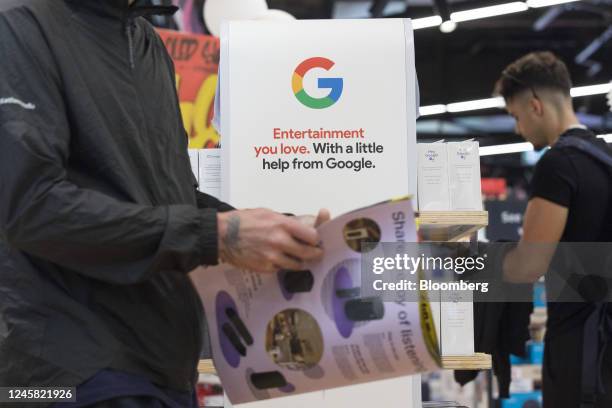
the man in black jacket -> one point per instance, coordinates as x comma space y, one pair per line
100, 220
571, 201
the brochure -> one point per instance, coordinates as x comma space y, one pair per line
294, 332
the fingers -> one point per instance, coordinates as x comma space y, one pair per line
283, 261
301, 251
322, 217
308, 220
269, 241
275, 261
304, 233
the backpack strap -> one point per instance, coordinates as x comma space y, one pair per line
597, 331
596, 338
596, 152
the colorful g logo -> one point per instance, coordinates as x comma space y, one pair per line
333, 84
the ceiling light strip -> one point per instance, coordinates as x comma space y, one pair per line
591, 90
426, 22
520, 147
499, 102
490, 11
505, 149
485, 12
546, 3
607, 138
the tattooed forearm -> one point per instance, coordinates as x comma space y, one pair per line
231, 240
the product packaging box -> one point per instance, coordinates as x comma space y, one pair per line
516, 360
520, 385
210, 171
523, 400
433, 177
464, 176
535, 352
457, 326
525, 378
539, 294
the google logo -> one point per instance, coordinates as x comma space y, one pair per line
333, 84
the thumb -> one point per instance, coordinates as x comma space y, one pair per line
322, 217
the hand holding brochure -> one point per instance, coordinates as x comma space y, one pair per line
293, 332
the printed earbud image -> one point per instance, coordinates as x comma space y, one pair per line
348, 293
341, 284
239, 325
359, 232
298, 281
233, 339
269, 379
261, 383
364, 309
355, 233
294, 340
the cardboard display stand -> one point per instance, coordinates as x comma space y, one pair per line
319, 114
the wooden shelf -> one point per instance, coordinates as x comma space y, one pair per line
450, 225
478, 361
435, 226
206, 367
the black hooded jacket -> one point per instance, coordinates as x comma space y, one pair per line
100, 220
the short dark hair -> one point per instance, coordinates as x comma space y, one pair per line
540, 69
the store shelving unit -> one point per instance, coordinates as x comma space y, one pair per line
450, 225
435, 226
206, 367
454, 226
479, 361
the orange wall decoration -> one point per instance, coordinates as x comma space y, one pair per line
196, 59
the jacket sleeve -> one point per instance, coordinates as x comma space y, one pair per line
44, 214
208, 201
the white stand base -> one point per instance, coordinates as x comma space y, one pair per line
402, 392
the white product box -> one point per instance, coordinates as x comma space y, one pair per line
520, 385
433, 176
210, 171
457, 326
454, 321
464, 176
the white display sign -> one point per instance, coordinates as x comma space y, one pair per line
317, 113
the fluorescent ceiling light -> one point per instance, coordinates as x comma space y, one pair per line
520, 147
505, 148
591, 90
499, 102
477, 104
483, 12
491, 11
432, 110
426, 22
607, 138
448, 27
546, 3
